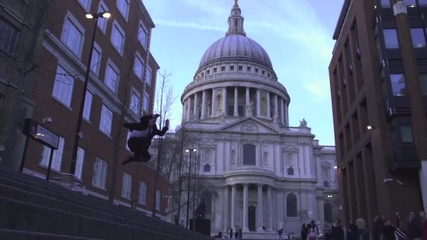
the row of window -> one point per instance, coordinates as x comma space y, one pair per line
408, 3
391, 38
63, 90
100, 172
240, 68
8, 36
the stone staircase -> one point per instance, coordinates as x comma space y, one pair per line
32, 208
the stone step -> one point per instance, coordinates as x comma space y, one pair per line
34, 207
26, 235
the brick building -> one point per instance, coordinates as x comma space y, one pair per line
378, 78
121, 87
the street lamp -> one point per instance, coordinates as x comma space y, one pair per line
188, 186
79, 134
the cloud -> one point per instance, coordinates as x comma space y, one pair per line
319, 90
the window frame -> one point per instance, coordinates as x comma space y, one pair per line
76, 50
126, 13
100, 173
61, 91
95, 68
142, 193
56, 158
78, 173
86, 6
119, 47
12, 39
106, 120
87, 108
126, 186
112, 85
137, 94
102, 22
144, 41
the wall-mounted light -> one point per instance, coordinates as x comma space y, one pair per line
386, 180
369, 127
335, 167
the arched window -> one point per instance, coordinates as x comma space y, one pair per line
207, 168
291, 205
290, 171
249, 154
326, 183
327, 209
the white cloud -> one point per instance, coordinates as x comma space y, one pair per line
319, 90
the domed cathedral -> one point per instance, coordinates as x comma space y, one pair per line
263, 175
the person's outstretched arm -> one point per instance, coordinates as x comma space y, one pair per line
164, 129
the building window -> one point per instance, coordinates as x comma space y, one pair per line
423, 83
418, 38
8, 36
85, 4
291, 205
146, 102
63, 86
56, 158
102, 22
142, 196
207, 168
88, 106
249, 154
142, 36
390, 38
127, 186
398, 85
79, 163
248, 69
100, 169
138, 66
123, 6
231, 68
106, 121
222, 69
135, 99
158, 198
240, 68
291, 171
112, 77
326, 184
117, 38
95, 61
72, 35
148, 76
406, 133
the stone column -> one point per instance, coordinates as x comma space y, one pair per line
268, 105
188, 117
196, 106
248, 97
226, 209
258, 102
276, 108
260, 211
283, 112
224, 101
236, 101
245, 207
286, 115
233, 205
270, 208
280, 208
214, 103
204, 103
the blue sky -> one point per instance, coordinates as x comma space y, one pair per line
297, 35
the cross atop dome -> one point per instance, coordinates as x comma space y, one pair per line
235, 21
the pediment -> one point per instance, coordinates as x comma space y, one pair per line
250, 125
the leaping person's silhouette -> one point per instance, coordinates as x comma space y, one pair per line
141, 135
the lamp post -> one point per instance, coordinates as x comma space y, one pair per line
79, 134
188, 185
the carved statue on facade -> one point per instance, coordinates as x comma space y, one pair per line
303, 123
249, 109
201, 210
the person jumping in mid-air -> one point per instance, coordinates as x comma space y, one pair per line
141, 135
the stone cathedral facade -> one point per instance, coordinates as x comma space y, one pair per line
262, 173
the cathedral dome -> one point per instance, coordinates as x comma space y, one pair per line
234, 46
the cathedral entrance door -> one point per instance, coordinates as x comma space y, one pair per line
251, 218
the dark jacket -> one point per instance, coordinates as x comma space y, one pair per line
352, 232
337, 233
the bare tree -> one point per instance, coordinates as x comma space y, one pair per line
17, 70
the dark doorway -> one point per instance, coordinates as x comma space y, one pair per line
327, 210
251, 218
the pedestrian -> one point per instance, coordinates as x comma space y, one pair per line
304, 232
389, 231
337, 233
414, 229
230, 232
141, 135
423, 225
361, 226
378, 227
352, 231
236, 232
280, 232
